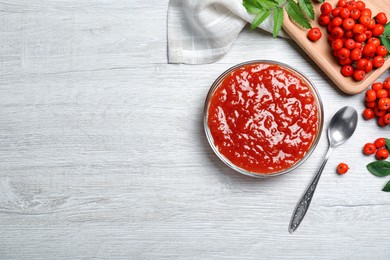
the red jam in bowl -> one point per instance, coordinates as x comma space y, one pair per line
263, 117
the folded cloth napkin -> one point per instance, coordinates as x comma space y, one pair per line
202, 31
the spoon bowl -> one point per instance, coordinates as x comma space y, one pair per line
342, 126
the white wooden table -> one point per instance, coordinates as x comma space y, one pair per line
103, 154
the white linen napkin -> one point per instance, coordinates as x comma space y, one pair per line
203, 31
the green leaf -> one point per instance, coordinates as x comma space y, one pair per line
379, 168
387, 143
321, 1
307, 8
262, 4
387, 187
254, 3
268, 4
278, 21
296, 14
260, 17
387, 30
252, 7
385, 42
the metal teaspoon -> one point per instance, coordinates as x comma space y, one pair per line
341, 128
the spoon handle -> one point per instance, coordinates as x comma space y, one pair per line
304, 203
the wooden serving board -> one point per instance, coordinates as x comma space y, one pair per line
321, 51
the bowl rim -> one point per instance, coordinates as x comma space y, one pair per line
298, 73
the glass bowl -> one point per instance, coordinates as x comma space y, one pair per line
296, 73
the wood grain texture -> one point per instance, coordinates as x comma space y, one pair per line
321, 51
103, 154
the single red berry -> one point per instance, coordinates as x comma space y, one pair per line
377, 86
347, 70
366, 11
356, 54
374, 41
348, 24
341, 3
364, 20
337, 44
359, 75
324, 20
337, 32
314, 34
368, 114
378, 61
360, 5
382, 154
349, 44
381, 51
358, 28
355, 14
343, 53
344, 13
386, 83
384, 103
382, 93
381, 18
342, 168
369, 148
370, 95
380, 142
379, 112
326, 8
378, 30
386, 118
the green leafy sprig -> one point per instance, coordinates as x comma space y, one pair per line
381, 168
300, 12
385, 37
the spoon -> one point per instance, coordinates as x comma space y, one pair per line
341, 128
